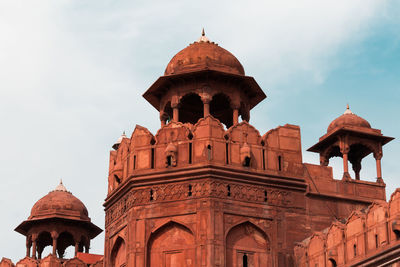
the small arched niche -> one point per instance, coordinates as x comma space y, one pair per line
191, 108
220, 108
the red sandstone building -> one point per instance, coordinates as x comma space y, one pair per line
209, 190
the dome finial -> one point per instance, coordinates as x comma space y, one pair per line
348, 111
61, 187
203, 38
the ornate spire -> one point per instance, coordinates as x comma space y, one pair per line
203, 37
61, 187
348, 111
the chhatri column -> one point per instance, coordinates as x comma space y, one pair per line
34, 239
76, 247
206, 98
163, 118
235, 113
175, 112
378, 157
345, 152
54, 236
357, 168
28, 246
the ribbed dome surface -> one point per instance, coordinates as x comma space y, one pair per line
204, 55
348, 119
59, 203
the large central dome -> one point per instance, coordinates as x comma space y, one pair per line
204, 55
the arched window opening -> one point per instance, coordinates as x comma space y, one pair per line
191, 108
263, 158
44, 240
209, 154
355, 250
376, 241
190, 152
246, 161
245, 260
265, 196
117, 179
280, 163
220, 108
168, 111
228, 189
169, 160
152, 157
134, 162
397, 233
332, 263
227, 153
64, 241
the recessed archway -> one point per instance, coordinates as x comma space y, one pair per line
171, 245
118, 253
246, 244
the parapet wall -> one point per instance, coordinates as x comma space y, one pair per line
364, 234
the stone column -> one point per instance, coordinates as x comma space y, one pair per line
356, 168
345, 152
34, 238
206, 98
28, 246
175, 110
163, 118
76, 248
378, 157
54, 236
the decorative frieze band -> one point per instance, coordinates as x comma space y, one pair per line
198, 189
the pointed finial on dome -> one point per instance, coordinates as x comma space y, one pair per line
348, 111
61, 187
203, 37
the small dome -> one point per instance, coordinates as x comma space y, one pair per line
203, 55
348, 119
119, 141
59, 203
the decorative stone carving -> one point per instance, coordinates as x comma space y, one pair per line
171, 155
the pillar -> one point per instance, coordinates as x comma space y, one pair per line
345, 152
28, 246
235, 118
163, 118
175, 111
356, 168
34, 238
54, 236
378, 157
76, 248
206, 98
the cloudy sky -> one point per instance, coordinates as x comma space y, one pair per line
72, 74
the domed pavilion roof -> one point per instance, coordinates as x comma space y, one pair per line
348, 119
59, 203
204, 55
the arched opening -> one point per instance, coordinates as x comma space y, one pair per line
44, 239
118, 253
168, 111
64, 241
191, 108
171, 245
332, 263
247, 244
220, 108
357, 153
